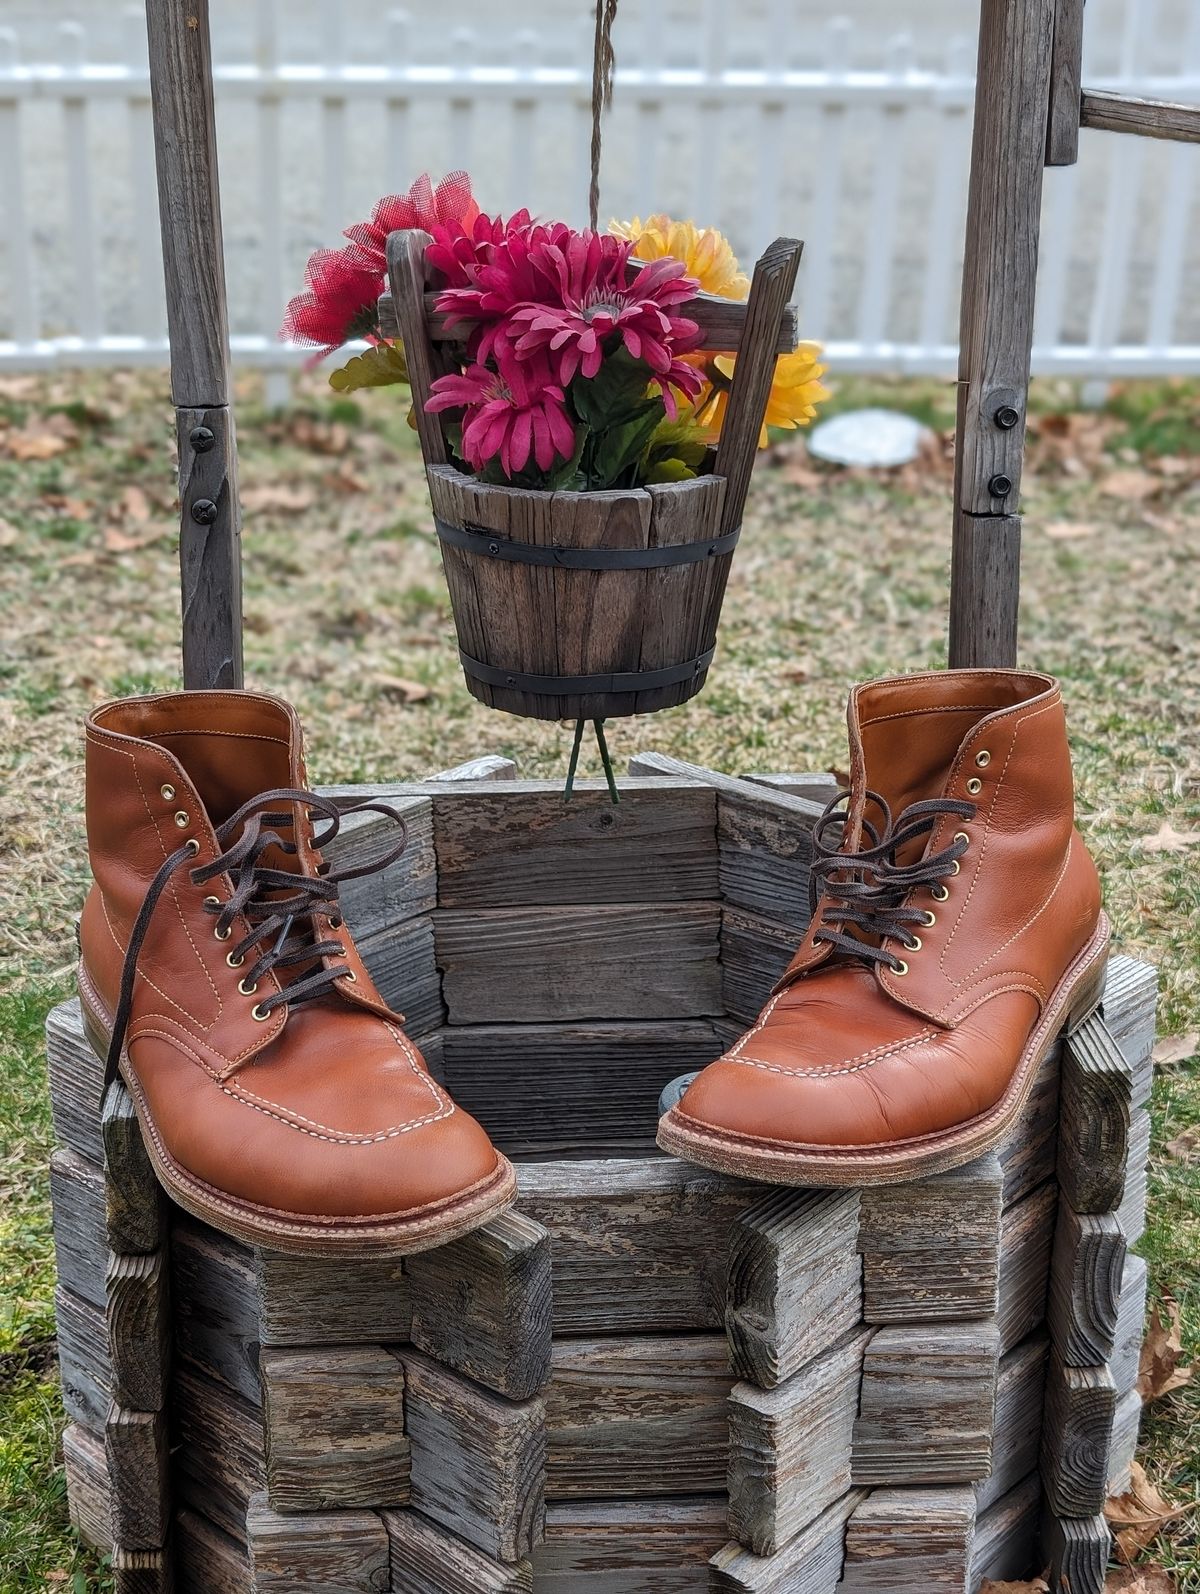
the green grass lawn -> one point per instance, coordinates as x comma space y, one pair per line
839, 576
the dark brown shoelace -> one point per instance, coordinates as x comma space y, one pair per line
867, 889
281, 905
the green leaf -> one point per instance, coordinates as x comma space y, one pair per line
619, 447
615, 394
668, 470
382, 365
564, 476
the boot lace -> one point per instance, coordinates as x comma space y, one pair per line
283, 908
867, 890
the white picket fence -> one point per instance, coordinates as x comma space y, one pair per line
866, 161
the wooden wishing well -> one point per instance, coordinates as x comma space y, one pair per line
646, 1378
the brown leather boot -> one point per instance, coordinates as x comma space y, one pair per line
956, 928
278, 1096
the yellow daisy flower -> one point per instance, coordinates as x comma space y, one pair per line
795, 392
704, 251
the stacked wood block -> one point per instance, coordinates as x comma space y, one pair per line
646, 1378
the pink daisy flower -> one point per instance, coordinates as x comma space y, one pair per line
451, 203
512, 413
460, 250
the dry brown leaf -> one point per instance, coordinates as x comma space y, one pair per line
1174, 1049
73, 508
1070, 530
1140, 1580
8, 534
1167, 839
1182, 1147
277, 500
1037, 1586
41, 444
1131, 484
133, 505
343, 481
118, 541
397, 687
1159, 1372
1139, 1515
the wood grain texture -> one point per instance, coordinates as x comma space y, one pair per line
1121, 113
1131, 1325
406, 889
681, 604
908, 1541
1006, 1536
1127, 1421
584, 1090
207, 1560
1085, 1285
1131, 1214
1029, 1153
638, 1247
814, 785
985, 582
488, 766
76, 1082
794, 1281
1077, 1550
214, 1305
543, 965
407, 278
135, 1450
931, 1249
426, 1559
790, 1447
482, 1304
219, 1452
89, 1493
639, 1417
334, 1423
402, 961
810, 1564
142, 1571
336, 1552
77, 1199
84, 1363
1020, 1396
522, 846
754, 954
1095, 1109
629, 1546
478, 1461
927, 1405
1026, 1242
135, 1206
1130, 1008
322, 1301
1062, 132
138, 1321
1076, 1436
210, 541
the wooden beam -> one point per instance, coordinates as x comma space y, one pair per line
181, 86
1062, 134
1119, 113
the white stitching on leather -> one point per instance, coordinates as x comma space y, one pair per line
853, 1065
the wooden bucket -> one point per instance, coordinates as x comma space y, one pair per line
594, 605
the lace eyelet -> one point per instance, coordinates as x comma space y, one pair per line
182, 818
235, 962
192, 845
930, 918
955, 867
222, 935
257, 1014
913, 943
167, 791
901, 969
335, 921
213, 902
961, 835
974, 785
349, 974
982, 758
247, 990
940, 893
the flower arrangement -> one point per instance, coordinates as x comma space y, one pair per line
578, 369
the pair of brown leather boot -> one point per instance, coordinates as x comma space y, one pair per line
956, 928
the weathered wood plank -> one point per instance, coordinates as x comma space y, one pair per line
1095, 1109
1020, 1397
76, 1082
931, 1249
1062, 133
142, 1571
488, 766
908, 1541
89, 1493
84, 1363
1077, 1550
1076, 1436
1127, 1421
985, 582
320, 1301
1122, 113
637, 1417
80, 1233
552, 1091
334, 1422
134, 1202
522, 846
814, 785
1026, 1241
1029, 1153
927, 1404
403, 962
629, 1547
219, 1452
810, 1564
426, 1559
1131, 1325
210, 530
1006, 1536
478, 1461
207, 1560
790, 1447
1085, 1285
482, 1305
406, 889
637, 1247
794, 1283
1130, 1008
1131, 1214
754, 953
139, 1330
407, 278
214, 1305
135, 1449
550, 965
336, 1552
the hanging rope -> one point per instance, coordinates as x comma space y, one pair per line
603, 68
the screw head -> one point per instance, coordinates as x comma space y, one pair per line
493, 547
204, 511
1007, 417
1000, 486
202, 438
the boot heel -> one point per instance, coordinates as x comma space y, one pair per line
98, 1036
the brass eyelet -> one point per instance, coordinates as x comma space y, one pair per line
983, 758
167, 791
974, 785
901, 969
247, 990
257, 1014
941, 893
913, 943
222, 935
349, 974
193, 846
335, 921
930, 919
235, 962
182, 818
213, 902
961, 835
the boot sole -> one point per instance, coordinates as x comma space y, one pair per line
1074, 999
388, 1235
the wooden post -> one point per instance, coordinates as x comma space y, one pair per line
185, 145
999, 278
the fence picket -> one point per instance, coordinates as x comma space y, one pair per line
148, 317
333, 123
19, 256
884, 207
524, 121
831, 126
943, 248
87, 311
462, 105
397, 108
